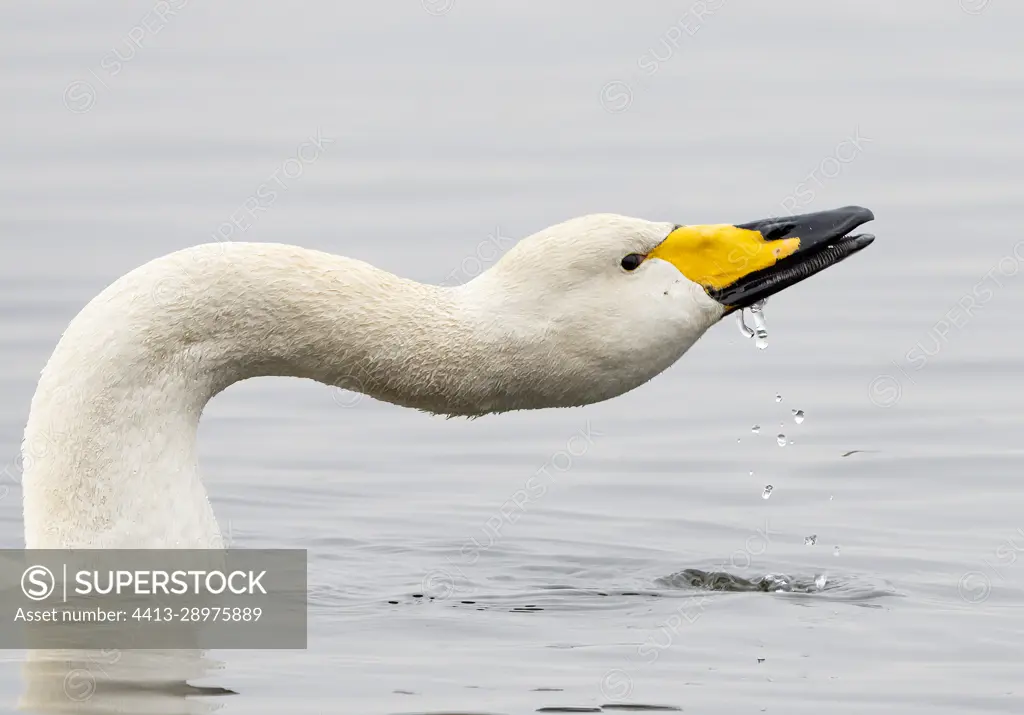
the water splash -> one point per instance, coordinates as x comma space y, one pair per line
821, 580
810, 540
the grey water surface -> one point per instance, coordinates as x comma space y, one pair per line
425, 138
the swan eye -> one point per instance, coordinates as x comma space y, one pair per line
632, 261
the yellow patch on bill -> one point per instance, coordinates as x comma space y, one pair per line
718, 255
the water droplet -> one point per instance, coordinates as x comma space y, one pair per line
810, 540
756, 429
737, 440
781, 439
798, 416
767, 491
831, 497
760, 327
835, 551
751, 474
821, 580
745, 331
778, 398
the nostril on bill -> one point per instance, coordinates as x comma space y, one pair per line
775, 231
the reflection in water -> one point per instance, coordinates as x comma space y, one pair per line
119, 682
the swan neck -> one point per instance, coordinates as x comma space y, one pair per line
110, 445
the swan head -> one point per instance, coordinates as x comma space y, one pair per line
598, 305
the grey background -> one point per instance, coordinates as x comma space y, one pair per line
454, 121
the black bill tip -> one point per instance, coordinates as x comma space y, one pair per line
825, 240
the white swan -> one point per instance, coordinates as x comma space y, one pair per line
578, 313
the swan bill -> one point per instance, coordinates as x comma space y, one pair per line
739, 265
